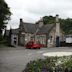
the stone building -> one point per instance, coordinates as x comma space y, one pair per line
49, 35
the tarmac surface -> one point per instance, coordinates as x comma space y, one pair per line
15, 59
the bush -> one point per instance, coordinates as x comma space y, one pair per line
50, 64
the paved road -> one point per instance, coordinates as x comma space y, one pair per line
15, 59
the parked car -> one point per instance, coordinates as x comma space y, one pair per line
33, 45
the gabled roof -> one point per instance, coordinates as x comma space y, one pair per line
14, 31
30, 28
45, 29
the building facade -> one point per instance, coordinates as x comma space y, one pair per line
46, 34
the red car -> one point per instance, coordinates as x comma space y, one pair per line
33, 45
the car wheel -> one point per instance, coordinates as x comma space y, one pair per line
39, 48
26, 47
31, 48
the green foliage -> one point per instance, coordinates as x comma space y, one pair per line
4, 15
66, 24
68, 64
49, 19
50, 64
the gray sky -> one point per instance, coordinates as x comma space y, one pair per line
32, 10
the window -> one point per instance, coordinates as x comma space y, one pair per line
15, 38
50, 39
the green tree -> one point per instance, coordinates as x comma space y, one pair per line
48, 19
4, 15
66, 24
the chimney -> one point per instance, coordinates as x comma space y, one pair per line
21, 20
57, 26
57, 18
21, 24
41, 22
57, 31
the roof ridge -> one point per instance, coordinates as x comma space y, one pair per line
27, 23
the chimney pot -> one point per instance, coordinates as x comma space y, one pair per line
57, 18
21, 20
57, 15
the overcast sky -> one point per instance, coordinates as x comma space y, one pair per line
32, 10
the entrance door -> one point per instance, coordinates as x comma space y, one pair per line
57, 41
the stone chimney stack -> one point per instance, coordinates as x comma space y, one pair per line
57, 26
21, 20
57, 18
41, 22
57, 31
21, 24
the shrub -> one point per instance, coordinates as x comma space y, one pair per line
50, 64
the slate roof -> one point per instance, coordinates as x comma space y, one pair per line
31, 28
45, 29
14, 31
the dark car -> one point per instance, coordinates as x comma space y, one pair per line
33, 45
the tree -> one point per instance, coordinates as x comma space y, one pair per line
4, 15
66, 24
48, 19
